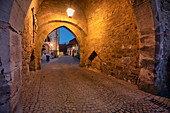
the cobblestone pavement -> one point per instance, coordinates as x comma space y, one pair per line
62, 86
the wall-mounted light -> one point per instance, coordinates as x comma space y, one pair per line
70, 12
51, 47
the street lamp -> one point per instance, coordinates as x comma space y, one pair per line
73, 51
70, 12
51, 49
51, 46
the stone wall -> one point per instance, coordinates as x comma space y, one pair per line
15, 67
145, 25
5, 76
10, 54
28, 41
161, 12
113, 35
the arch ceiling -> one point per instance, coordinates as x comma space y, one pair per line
52, 14
52, 10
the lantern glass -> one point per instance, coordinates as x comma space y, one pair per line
70, 12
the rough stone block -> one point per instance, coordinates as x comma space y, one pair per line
15, 50
148, 64
148, 51
4, 51
150, 88
17, 11
5, 108
4, 96
5, 9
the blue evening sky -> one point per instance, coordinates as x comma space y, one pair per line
65, 35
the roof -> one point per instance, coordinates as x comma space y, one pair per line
72, 42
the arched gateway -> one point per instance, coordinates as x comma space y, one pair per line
130, 38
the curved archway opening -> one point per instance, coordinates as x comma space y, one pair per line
68, 39
63, 42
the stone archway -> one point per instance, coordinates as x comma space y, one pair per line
100, 25
45, 20
146, 31
152, 24
44, 31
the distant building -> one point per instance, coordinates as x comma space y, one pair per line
73, 48
63, 49
51, 44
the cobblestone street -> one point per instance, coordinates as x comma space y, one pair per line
62, 86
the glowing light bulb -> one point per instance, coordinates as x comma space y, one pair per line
70, 12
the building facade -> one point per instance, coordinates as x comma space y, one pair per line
73, 48
51, 44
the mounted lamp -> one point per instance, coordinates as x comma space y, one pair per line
51, 45
70, 12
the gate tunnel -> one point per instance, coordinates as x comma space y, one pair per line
128, 36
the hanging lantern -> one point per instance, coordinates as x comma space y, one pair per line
70, 12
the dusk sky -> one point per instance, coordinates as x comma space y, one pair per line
65, 35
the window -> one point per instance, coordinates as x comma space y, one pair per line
47, 39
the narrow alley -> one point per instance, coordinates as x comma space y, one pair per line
63, 86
